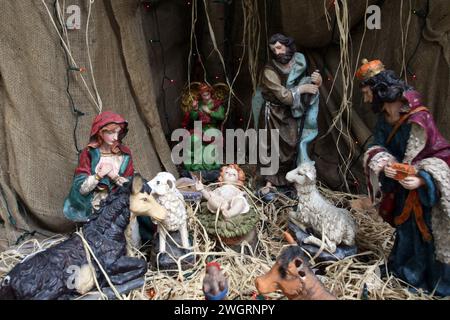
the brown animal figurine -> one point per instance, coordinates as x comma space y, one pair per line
292, 275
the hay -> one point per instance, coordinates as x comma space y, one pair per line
355, 277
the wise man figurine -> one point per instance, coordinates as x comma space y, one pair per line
409, 160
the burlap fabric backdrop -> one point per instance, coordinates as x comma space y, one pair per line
38, 154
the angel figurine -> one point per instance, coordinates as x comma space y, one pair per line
204, 103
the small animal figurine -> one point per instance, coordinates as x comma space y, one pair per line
334, 225
215, 284
62, 271
291, 274
167, 195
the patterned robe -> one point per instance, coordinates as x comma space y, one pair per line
421, 252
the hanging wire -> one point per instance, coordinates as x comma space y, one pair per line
77, 113
422, 14
68, 52
164, 66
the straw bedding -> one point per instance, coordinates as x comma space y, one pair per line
356, 277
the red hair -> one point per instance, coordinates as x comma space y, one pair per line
241, 174
98, 141
205, 88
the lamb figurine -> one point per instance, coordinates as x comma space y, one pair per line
335, 225
167, 195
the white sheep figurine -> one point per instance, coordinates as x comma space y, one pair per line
166, 194
335, 225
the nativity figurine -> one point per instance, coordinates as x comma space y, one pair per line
318, 219
408, 165
173, 236
236, 220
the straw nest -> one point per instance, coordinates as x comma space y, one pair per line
356, 277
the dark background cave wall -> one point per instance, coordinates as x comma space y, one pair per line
167, 29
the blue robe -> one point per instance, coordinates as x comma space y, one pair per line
412, 259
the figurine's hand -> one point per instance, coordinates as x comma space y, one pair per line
206, 110
113, 174
224, 206
412, 182
104, 169
378, 166
121, 181
308, 88
316, 78
390, 172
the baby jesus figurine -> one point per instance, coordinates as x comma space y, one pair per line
228, 198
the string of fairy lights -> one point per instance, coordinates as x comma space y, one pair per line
151, 7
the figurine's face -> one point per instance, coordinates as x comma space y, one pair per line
282, 53
111, 136
391, 111
292, 285
230, 175
144, 204
278, 49
303, 174
367, 94
206, 96
163, 183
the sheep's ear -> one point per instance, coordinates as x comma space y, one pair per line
137, 185
310, 175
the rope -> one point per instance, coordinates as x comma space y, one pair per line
88, 247
345, 71
68, 51
215, 49
100, 103
404, 37
91, 267
74, 110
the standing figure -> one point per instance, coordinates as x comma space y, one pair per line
410, 159
289, 96
210, 111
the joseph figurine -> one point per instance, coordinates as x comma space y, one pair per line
285, 86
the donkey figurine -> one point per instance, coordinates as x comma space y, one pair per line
63, 271
293, 276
